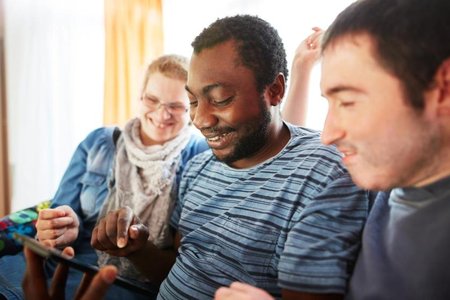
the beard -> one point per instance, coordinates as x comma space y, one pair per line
253, 140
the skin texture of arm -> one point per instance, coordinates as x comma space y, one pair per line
306, 55
242, 291
162, 261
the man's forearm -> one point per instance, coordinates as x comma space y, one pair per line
152, 262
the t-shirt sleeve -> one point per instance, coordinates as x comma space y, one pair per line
183, 186
323, 243
196, 145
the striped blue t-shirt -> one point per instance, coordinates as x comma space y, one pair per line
292, 222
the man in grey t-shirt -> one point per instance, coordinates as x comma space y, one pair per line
386, 76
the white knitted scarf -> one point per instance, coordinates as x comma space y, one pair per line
144, 181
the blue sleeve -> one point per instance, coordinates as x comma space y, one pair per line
186, 175
197, 144
84, 182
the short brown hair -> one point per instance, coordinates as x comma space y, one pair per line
411, 38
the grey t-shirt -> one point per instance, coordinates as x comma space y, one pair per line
406, 246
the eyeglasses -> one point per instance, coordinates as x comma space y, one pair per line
173, 108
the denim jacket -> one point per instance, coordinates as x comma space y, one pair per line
84, 184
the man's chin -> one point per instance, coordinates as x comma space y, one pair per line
226, 158
371, 182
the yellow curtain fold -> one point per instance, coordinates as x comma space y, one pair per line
134, 36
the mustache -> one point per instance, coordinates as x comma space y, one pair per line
212, 131
343, 146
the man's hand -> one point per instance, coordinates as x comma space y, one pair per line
241, 291
57, 227
35, 287
120, 233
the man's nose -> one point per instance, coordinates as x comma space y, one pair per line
332, 129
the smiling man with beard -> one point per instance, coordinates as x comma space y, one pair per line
244, 142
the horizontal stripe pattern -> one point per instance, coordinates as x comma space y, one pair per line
292, 222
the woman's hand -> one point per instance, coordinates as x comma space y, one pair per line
57, 227
308, 51
306, 55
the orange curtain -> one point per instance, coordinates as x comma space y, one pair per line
134, 37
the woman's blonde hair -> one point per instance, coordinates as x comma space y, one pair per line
172, 66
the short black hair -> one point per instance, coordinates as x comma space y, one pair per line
411, 38
259, 46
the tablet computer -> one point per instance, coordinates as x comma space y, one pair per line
59, 257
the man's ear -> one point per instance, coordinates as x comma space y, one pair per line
276, 90
442, 84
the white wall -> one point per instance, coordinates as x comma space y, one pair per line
54, 62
